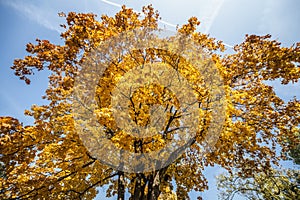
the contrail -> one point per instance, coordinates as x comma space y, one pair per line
112, 3
119, 6
228, 45
217, 5
215, 13
167, 23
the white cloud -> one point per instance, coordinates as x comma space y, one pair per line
43, 17
45, 13
210, 14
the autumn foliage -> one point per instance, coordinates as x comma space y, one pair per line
48, 159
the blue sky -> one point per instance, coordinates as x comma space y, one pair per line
228, 20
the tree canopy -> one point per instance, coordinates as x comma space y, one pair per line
49, 159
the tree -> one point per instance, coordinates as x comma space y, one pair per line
294, 154
273, 184
49, 160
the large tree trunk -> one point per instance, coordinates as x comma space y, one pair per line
121, 186
153, 186
139, 187
151, 182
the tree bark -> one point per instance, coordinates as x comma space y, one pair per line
121, 186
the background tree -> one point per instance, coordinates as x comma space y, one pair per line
294, 154
48, 159
277, 183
